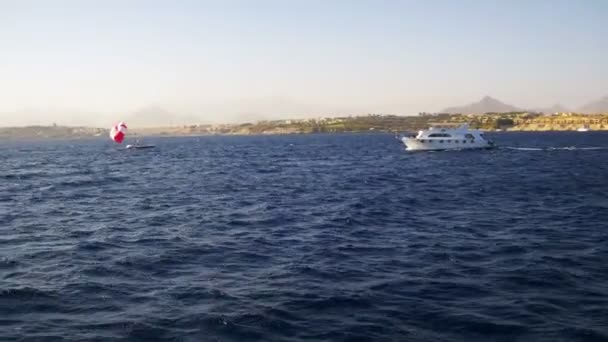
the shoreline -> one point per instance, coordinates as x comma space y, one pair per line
372, 124
159, 135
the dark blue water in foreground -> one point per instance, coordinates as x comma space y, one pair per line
304, 238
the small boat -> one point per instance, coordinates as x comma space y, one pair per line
139, 146
118, 133
444, 138
583, 129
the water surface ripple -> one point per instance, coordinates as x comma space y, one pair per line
304, 238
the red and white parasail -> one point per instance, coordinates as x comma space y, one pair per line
118, 132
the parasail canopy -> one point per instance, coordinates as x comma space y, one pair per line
118, 132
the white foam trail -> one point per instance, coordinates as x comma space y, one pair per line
524, 148
568, 148
582, 148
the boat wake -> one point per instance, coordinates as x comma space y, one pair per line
567, 148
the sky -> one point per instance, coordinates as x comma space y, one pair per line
92, 62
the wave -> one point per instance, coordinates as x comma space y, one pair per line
337, 238
25, 293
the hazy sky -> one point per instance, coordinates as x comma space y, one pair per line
221, 60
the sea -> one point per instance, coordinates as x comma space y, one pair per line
335, 237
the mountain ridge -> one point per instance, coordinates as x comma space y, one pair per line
487, 104
596, 107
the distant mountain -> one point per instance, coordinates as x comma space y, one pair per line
155, 116
556, 108
485, 105
269, 108
598, 106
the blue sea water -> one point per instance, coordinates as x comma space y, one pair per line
305, 238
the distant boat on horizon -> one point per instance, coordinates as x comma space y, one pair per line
582, 129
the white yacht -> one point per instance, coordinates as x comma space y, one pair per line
445, 138
583, 129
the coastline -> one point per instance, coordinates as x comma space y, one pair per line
168, 135
386, 124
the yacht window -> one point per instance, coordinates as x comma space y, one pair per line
422, 140
469, 136
441, 141
440, 135
457, 141
464, 141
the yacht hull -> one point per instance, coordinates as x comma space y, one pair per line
413, 144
